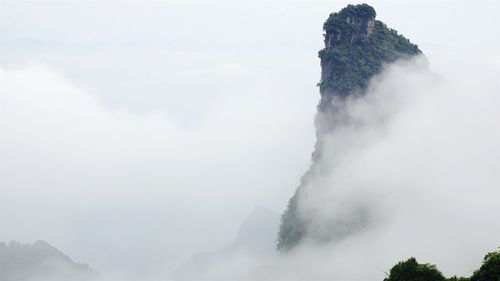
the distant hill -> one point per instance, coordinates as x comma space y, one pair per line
40, 261
254, 245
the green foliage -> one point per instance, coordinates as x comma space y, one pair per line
351, 65
411, 270
356, 49
489, 270
291, 228
336, 24
336, 21
454, 278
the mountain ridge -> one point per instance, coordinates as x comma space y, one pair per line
40, 261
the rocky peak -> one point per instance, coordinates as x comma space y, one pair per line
351, 23
356, 48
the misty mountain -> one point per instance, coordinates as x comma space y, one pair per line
357, 47
255, 239
40, 261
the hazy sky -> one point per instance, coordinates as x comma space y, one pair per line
140, 131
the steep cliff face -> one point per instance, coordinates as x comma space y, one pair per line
356, 48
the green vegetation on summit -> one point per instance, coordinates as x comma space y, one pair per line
356, 48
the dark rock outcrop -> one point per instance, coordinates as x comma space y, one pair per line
356, 48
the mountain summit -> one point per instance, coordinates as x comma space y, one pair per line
40, 261
356, 48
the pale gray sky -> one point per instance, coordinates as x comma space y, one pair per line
147, 51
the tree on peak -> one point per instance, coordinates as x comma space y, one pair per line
361, 10
411, 270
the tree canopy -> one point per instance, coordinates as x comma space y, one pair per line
411, 270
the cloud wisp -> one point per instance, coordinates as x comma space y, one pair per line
420, 156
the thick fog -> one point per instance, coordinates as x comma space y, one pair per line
137, 188
419, 159
135, 136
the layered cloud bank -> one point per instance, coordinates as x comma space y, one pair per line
137, 194
419, 159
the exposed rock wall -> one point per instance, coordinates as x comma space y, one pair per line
356, 48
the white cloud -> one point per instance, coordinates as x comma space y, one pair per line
149, 123
72, 168
422, 160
